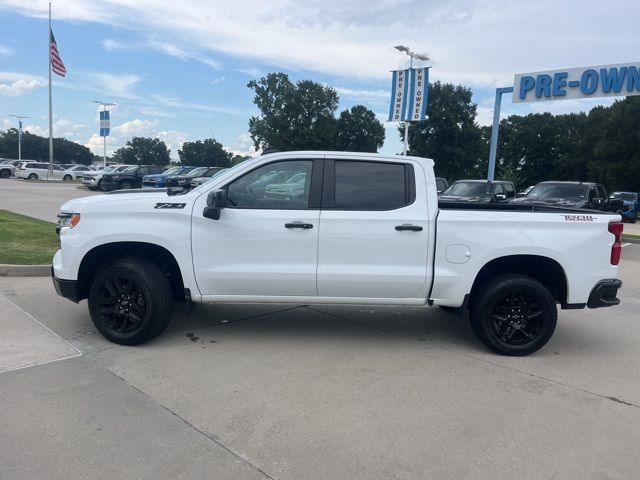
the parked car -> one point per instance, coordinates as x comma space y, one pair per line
441, 185
130, 177
367, 230
631, 205
196, 182
184, 180
8, 167
571, 194
77, 171
93, 180
159, 180
523, 193
479, 191
30, 170
293, 188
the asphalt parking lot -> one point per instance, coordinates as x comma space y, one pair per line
254, 391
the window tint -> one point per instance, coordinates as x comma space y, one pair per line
511, 192
601, 192
497, 188
370, 185
57, 167
281, 185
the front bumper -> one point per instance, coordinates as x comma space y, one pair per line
66, 288
604, 294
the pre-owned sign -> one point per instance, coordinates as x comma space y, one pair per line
588, 82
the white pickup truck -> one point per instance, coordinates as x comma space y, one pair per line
333, 228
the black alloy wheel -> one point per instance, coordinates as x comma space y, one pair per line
130, 301
122, 304
517, 319
513, 314
5, 173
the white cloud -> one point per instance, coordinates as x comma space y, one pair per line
5, 51
135, 128
62, 127
174, 140
477, 42
110, 45
242, 146
114, 84
13, 84
218, 80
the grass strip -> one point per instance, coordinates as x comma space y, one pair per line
25, 240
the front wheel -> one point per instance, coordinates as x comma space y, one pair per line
513, 315
32, 176
125, 185
130, 301
5, 173
67, 178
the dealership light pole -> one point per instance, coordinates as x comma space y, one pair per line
19, 117
417, 56
105, 129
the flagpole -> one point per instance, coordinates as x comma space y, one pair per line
50, 172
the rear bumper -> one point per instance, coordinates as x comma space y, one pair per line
66, 288
604, 294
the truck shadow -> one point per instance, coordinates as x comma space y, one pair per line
433, 326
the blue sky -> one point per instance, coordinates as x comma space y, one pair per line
178, 70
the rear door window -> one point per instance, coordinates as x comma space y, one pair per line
371, 186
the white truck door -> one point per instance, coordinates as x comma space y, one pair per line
266, 240
373, 229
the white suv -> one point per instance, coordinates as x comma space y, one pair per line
78, 171
93, 180
36, 170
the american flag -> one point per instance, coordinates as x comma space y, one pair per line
56, 62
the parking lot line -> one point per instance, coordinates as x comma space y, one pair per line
33, 364
625, 245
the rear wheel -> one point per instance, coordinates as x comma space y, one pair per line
67, 178
514, 315
32, 176
130, 301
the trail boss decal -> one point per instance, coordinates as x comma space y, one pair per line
578, 218
169, 205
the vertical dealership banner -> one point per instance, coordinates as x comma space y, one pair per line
418, 95
104, 123
399, 88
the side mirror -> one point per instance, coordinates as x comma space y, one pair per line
500, 197
597, 201
216, 201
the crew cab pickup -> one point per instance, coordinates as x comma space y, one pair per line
364, 229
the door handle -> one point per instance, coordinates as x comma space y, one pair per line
305, 226
412, 228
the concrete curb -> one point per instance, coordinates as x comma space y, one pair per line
24, 270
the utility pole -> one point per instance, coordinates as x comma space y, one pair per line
19, 117
104, 128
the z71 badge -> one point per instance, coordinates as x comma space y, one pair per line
170, 205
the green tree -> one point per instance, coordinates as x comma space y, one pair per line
293, 116
35, 147
613, 135
204, 153
236, 159
450, 135
359, 130
143, 151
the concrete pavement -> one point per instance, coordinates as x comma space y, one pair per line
39, 199
236, 391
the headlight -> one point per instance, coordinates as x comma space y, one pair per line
68, 220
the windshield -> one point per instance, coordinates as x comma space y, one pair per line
130, 169
564, 191
471, 189
626, 196
196, 172
172, 171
